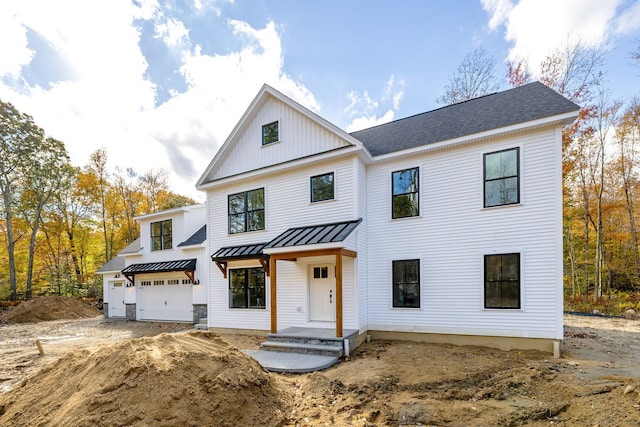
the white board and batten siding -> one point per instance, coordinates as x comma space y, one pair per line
454, 232
299, 138
287, 205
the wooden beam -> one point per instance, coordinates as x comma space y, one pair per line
274, 313
222, 265
339, 295
191, 275
303, 254
130, 278
349, 253
265, 264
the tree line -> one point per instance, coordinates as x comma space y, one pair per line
601, 161
60, 223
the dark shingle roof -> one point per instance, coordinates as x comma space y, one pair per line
525, 103
161, 267
314, 234
240, 252
197, 238
116, 264
132, 248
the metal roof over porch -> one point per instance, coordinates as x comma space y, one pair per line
161, 267
314, 234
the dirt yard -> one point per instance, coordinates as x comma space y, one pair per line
595, 383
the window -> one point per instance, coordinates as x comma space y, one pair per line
158, 282
173, 282
145, 283
406, 283
502, 281
270, 133
501, 178
161, 235
246, 211
322, 187
320, 272
405, 198
246, 288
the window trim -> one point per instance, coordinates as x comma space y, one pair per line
246, 287
275, 122
247, 211
162, 234
484, 283
333, 184
393, 196
517, 176
393, 285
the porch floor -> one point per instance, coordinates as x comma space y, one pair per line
297, 357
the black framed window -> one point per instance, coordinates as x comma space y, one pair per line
246, 211
502, 281
406, 283
270, 133
322, 187
247, 288
502, 178
161, 235
405, 197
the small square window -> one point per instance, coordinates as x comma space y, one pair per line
322, 187
270, 133
406, 283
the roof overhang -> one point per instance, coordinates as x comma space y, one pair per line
188, 266
224, 255
558, 120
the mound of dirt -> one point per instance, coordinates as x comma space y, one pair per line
49, 308
190, 378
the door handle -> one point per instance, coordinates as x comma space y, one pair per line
331, 297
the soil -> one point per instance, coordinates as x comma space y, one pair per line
93, 373
48, 308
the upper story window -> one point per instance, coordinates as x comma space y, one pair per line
502, 281
161, 235
405, 197
322, 187
270, 133
246, 211
502, 178
406, 283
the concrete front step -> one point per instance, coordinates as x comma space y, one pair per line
303, 348
202, 324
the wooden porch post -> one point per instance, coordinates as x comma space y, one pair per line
274, 314
339, 294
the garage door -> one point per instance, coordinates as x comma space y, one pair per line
165, 299
116, 299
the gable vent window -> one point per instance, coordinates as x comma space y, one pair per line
270, 133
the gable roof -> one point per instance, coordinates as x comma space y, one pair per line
132, 248
115, 264
265, 93
526, 103
197, 238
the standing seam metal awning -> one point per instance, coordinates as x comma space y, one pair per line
186, 265
233, 253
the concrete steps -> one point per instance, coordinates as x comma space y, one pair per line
284, 342
202, 325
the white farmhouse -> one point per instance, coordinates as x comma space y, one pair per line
162, 275
445, 226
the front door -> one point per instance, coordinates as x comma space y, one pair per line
116, 299
321, 293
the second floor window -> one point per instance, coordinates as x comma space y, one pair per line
322, 187
405, 196
161, 235
246, 211
502, 178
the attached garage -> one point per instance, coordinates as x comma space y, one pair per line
164, 290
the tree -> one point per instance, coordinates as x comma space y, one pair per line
518, 73
152, 184
20, 142
474, 77
98, 168
47, 172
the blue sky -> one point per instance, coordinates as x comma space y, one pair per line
160, 84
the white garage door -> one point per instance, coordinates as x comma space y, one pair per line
116, 299
165, 299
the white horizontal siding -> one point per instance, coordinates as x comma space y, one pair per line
453, 233
299, 137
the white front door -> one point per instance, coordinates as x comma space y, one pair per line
116, 305
321, 293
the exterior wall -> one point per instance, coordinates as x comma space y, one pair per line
299, 137
199, 312
131, 311
287, 204
454, 232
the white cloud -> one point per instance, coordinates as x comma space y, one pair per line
106, 97
537, 27
365, 110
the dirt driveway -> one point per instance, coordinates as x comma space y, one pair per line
597, 382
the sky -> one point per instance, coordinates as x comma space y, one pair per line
161, 83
